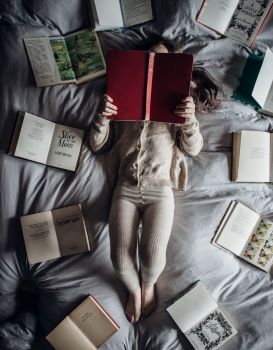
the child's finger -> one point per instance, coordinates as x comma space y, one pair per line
106, 114
185, 104
110, 105
185, 110
107, 98
188, 98
110, 110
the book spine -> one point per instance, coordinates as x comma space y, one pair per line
16, 133
149, 85
202, 9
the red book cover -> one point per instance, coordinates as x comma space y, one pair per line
148, 85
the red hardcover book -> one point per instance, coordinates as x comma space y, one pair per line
148, 85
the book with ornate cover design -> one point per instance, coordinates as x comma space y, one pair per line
240, 20
148, 85
111, 14
201, 320
74, 58
246, 234
52, 234
86, 328
252, 156
40, 140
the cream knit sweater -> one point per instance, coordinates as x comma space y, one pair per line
146, 153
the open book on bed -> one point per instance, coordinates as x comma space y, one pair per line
73, 58
201, 320
40, 140
55, 233
110, 14
86, 328
240, 20
246, 234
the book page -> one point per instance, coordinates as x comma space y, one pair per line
259, 248
216, 14
42, 61
192, 307
136, 12
241, 223
108, 13
70, 229
254, 158
86, 55
247, 19
264, 83
65, 147
35, 138
67, 336
211, 332
40, 237
94, 322
268, 106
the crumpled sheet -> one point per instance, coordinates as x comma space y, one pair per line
244, 292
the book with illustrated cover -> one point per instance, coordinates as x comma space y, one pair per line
55, 233
240, 20
147, 85
111, 14
246, 234
73, 58
43, 141
201, 320
252, 156
86, 328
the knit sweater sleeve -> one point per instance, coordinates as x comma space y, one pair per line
190, 139
101, 134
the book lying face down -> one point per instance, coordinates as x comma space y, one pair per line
147, 85
201, 320
86, 328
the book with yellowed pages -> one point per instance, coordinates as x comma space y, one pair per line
40, 140
199, 317
252, 156
52, 234
245, 233
86, 328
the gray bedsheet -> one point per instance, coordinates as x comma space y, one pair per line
244, 292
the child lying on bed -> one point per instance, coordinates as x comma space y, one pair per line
145, 163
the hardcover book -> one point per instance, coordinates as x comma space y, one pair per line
252, 156
246, 234
111, 14
201, 320
74, 58
240, 20
86, 328
52, 234
45, 142
148, 85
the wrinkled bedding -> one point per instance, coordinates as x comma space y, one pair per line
244, 292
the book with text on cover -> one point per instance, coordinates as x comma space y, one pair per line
40, 140
240, 20
86, 328
147, 85
246, 234
52, 234
252, 156
111, 14
201, 320
74, 58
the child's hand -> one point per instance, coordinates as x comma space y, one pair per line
186, 109
106, 108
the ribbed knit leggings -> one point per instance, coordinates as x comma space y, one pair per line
155, 207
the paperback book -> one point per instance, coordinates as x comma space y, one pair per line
73, 58
55, 233
86, 328
240, 20
201, 320
147, 85
111, 14
40, 140
246, 234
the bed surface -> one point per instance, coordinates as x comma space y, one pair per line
244, 292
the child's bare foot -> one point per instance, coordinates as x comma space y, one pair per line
133, 307
148, 300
